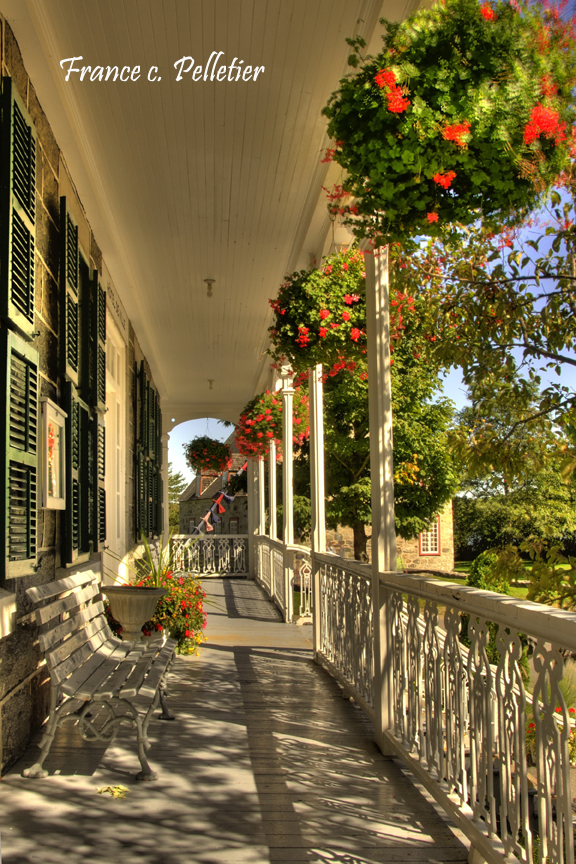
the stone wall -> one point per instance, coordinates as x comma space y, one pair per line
24, 684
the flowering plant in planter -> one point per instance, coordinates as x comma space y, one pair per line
261, 421
467, 110
179, 612
207, 453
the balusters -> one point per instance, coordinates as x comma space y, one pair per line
553, 763
511, 746
481, 689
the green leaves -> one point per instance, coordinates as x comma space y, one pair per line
454, 68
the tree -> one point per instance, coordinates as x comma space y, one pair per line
503, 309
307, 306
176, 485
524, 495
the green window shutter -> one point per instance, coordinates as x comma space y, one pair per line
17, 211
152, 411
69, 295
87, 470
99, 337
159, 509
99, 496
143, 414
93, 339
72, 514
141, 492
19, 454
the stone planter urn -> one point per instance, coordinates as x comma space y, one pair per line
132, 606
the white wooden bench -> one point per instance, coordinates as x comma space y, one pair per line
97, 680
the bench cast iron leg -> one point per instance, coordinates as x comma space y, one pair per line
166, 713
146, 773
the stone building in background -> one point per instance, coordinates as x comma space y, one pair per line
431, 550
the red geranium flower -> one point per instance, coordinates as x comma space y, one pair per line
487, 11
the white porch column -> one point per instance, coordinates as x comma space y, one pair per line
253, 516
317, 492
383, 544
272, 489
166, 501
287, 490
261, 497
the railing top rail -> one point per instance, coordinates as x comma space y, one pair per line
294, 547
210, 536
276, 544
357, 568
534, 619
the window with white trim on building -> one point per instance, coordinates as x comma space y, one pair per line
430, 540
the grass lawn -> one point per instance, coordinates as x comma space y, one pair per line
463, 568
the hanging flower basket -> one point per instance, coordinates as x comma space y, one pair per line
261, 422
467, 111
321, 314
204, 453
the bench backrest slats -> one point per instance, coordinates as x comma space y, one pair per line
67, 667
53, 610
67, 648
55, 633
53, 589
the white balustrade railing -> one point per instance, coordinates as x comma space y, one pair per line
346, 634
459, 721
302, 569
270, 571
220, 554
272, 560
458, 710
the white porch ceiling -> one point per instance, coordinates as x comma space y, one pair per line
187, 180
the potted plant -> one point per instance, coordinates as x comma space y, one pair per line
133, 603
205, 453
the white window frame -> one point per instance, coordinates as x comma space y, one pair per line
426, 540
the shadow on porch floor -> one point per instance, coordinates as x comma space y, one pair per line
265, 763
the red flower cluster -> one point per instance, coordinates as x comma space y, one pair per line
487, 12
324, 313
444, 180
206, 453
386, 79
329, 154
350, 298
432, 217
456, 132
261, 421
547, 86
302, 339
544, 121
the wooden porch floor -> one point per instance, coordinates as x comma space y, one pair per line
265, 763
